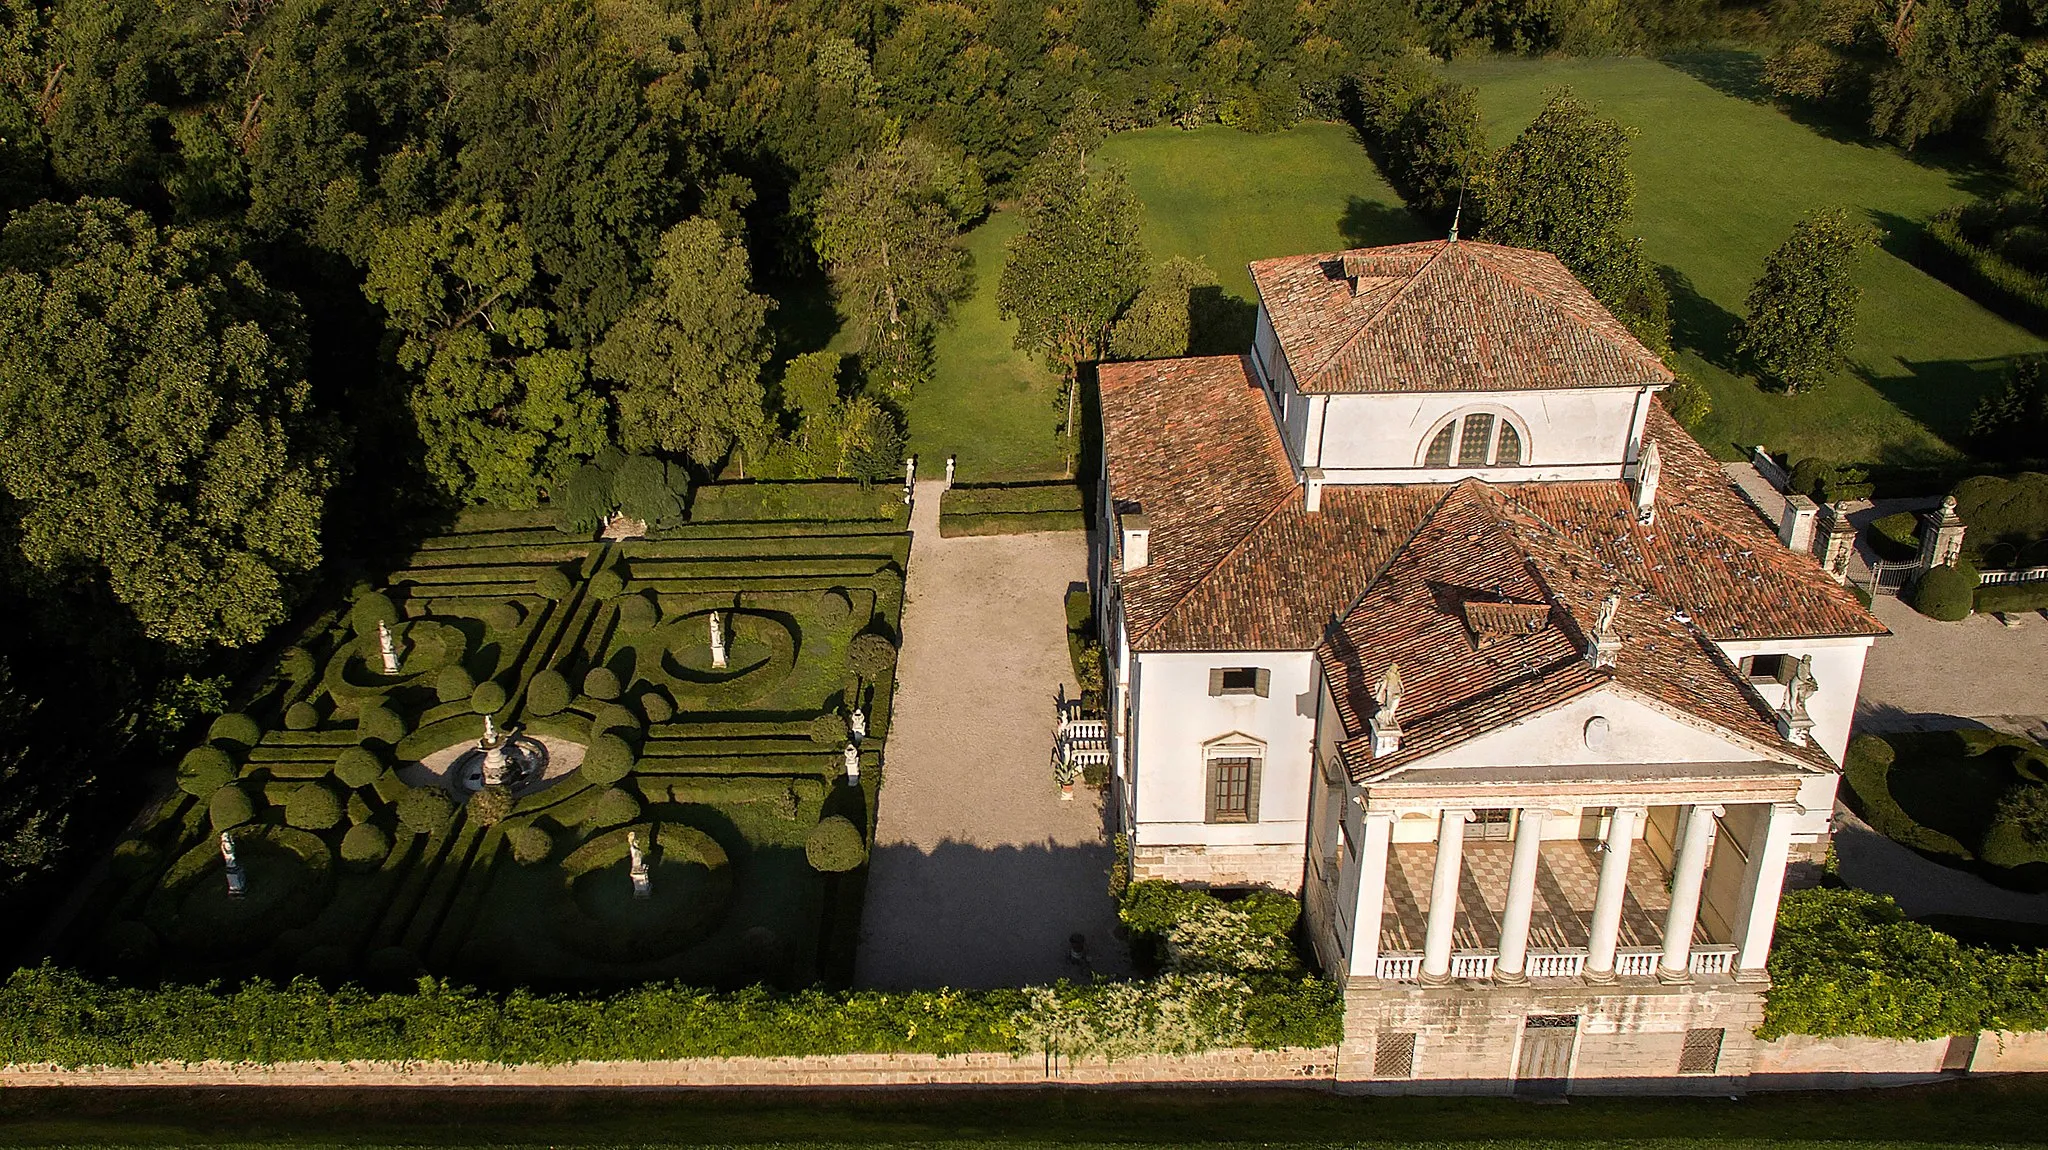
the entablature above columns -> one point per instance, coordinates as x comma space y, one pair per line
1493, 788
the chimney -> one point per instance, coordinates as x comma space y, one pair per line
1649, 468
1312, 488
1137, 536
1795, 527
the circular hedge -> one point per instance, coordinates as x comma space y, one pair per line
656, 707
503, 616
613, 808
312, 807
134, 858
1946, 593
379, 722
488, 698
607, 761
869, 655
530, 844
833, 607
601, 683
453, 684
613, 717
553, 585
488, 806
547, 693
296, 664
835, 845
235, 728
365, 847
229, 807
596, 914
357, 766
829, 729
607, 584
637, 613
425, 810
301, 716
371, 609
205, 770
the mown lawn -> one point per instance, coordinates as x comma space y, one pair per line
1225, 196
1720, 179
1969, 1113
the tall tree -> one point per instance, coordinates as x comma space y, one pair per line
1160, 322
888, 231
1802, 310
1075, 265
686, 359
503, 415
155, 432
2012, 422
1563, 186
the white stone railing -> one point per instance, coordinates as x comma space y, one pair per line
1082, 742
1557, 964
2014, 575
1473, 965
1712, 959
1636, 963
1398, 967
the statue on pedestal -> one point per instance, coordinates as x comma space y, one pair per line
851, 755
857, 722
237, 880
387, 647
497, 769
717, 642
643, 879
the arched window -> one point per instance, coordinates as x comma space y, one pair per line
1480, 439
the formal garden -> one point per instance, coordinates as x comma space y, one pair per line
1973, 799
443, 772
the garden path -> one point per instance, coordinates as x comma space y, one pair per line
980, 871
1929, 675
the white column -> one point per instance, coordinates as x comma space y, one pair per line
1372, 894
1606, 927
1514, 921
1762, 884
1443, 897
1688, 874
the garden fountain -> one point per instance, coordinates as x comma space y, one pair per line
501, 759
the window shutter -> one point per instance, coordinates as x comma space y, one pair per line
1265, 683
1251, 805
1788, 668
1215, 680
1214, 782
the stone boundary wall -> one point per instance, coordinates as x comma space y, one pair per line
1312, 1067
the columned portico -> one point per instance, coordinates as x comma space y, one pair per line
1763, 882
1605, 929
1514, 923
1688, 874
1443, 896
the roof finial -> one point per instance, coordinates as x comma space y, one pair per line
1456, 213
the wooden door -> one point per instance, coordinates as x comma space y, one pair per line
1546, 1061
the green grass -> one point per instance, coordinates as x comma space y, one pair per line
1720, 180
1970, 1113
1225, 196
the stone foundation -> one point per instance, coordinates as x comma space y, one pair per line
1278, 867
1467, 1039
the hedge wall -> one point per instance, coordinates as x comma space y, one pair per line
825, 499
2012, 596
54, 1016
1012, 509
1945, 253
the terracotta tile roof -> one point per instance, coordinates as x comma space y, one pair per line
1442, 316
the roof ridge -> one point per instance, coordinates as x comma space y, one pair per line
1367, 321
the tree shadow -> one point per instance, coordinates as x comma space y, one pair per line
1219, 323
1940, 394
1371, 223
1698, 324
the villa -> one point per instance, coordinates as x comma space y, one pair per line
1427, 609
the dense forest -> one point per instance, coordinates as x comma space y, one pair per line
282, 280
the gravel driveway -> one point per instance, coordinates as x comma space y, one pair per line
980, 872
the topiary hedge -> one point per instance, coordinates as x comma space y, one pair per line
235, 728
229, 807
530, 844
488, 698
613, 717
312, 807
365, 847
503, 617
637, 614
297, 665
453, 684
825, 500
553, 585
301, 716
607, 761
547, 693
870, 656
205, 770
370, 609
829, 729
835, 845
375, 721
1896, 536
425, 810
357, 766
2012, 598
607, 584
489, 806
613, 808
1946, 593
601, 683
656, 706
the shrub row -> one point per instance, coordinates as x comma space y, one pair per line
1010, 499
823, 500
1019, 523
1945, 253
54, 1016
2012, 597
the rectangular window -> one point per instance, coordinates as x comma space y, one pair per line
1475, 443
1702, 1053
1241, 681
1233, 789
1394, 1056
1494, 826
1768, 668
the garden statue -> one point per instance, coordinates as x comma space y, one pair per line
717, 643
909, 477
852, 757
858, 724
387, 647
497, 768
643, 881
949, 469
1802, 687
237, 881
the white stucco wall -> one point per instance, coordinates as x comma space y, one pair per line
1174, 717
1837, 668
1569, 434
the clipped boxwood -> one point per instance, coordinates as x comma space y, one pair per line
607, 584
134, 858
379, 722
229, 807
502, 617
488, 698
357, 766
834, 606
601, 683
613, 717
607, 761
829, 729
1896, 536
613, 808
547, 693
297, 664
205, 770
656, 707
489, 806
453, 684
370, 609
235, 727
530, 844
637, 613
835, 845
301, 716
312, 807
1946, 593
869, 656
365, 846
425, 810
553, 585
